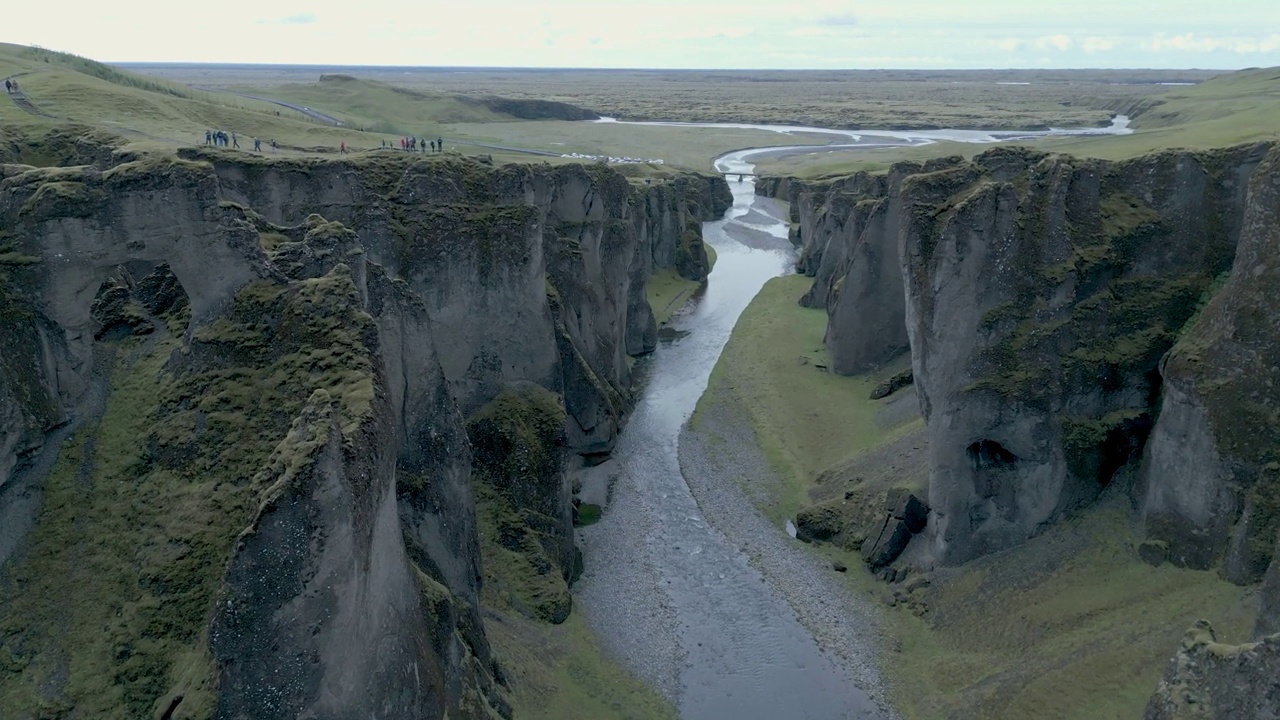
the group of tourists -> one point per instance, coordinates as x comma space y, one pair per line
11, 86
221, 139
412, 144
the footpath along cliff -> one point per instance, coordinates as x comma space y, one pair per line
1070, 321
260, 419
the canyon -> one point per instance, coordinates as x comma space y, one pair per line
295, 399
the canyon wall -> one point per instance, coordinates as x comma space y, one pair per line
270, 411
1040, 298
1069, 319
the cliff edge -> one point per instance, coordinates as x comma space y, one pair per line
259, 419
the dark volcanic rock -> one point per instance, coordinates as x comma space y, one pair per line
1208, 680
1039, 294
1212, 470
892, 385
303, 507
849, 244
908, 508
1042, 293
1153, 552
883, 548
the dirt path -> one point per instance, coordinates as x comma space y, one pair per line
313, 114
20, 99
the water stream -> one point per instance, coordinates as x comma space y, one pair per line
667, 593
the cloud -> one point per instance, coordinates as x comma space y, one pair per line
296, 19
1096, 43
1009, 44
841, 19
709, 34
1061, 42
819, 31
1189, 42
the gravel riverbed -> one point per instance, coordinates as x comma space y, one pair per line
722, 463
685, 583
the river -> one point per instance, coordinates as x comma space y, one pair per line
667, 593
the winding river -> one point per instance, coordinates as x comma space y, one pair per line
668, 593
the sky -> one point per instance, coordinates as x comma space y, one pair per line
1226, 34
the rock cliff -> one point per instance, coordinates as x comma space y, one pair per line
271, 412
1039, 295
1212, 469
849, 245
1068, 319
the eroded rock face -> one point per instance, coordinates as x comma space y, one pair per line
1038, 296
1269, 607
849, 245
285, 402
1209, 680
501, 241
1212, 470
1041, 294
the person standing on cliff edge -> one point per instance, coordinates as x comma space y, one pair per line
8, 86
440, 144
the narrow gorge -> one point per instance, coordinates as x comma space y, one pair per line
272, 427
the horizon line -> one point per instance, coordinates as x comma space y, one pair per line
687, 69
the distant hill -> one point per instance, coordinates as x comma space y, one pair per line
78, 94
64, 89
389, 108
1227, 109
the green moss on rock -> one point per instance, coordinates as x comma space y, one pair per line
142, 511
517, 444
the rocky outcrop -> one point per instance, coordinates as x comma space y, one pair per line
518, 440
1039, 295
533, 109
849, 244
284, 461
1212, 469
905, 516
1209, 680
892, 384
502, 240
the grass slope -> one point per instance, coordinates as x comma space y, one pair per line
158, 115
559, 672
379, 107
1069, 625
806, 419
1229, 109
